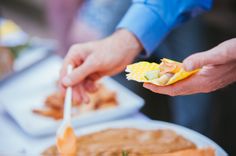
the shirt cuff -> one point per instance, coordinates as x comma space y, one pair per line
146, 25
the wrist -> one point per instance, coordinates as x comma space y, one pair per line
127, 42
227, 50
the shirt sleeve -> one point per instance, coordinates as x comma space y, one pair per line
151, 20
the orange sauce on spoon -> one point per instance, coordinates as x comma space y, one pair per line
66, 142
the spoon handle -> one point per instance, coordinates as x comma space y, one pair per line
68, 98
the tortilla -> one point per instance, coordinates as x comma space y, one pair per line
138, 70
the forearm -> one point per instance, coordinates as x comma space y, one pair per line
228, 49
126, 41
60, 17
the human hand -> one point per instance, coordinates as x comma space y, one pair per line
218, 69
93, 60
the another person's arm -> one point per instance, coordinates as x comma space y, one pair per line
218, 70
61, 14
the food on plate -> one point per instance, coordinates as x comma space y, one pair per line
134, 142
53, 105
165, 73
191, 152
6, 62
11, 34
13, 40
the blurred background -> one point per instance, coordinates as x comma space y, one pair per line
56, 24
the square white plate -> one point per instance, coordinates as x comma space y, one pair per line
20, 95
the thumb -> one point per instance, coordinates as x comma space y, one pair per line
201, 59
88, 67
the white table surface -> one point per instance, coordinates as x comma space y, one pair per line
13, 141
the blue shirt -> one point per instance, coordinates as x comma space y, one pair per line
151, 20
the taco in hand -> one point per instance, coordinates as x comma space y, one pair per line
165, 73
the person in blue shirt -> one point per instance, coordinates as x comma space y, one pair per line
151, 20
143, 27
141, 30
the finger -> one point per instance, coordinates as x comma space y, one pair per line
90, 86
73, 58
95, 76
77, 95
80, 73
185, 87
83, 94
68, 60
214, 56
156, 89
90, 83
172, 91
62, 89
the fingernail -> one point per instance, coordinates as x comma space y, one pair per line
188, 66
67, 81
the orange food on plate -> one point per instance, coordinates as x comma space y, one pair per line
188, 152
6, 62
134, 142
54, 103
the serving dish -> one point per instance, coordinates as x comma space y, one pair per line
29, 90
199, 140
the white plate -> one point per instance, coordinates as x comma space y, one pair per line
29, 90
195, 137
199, 140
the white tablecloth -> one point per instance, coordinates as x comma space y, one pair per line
13, 141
